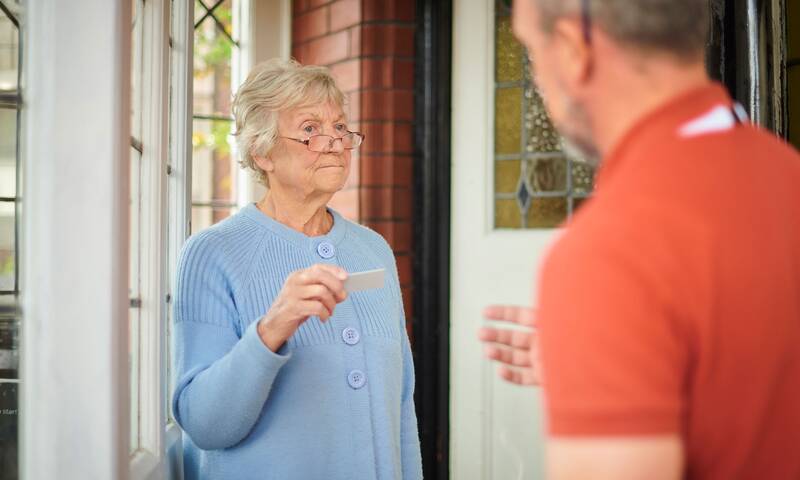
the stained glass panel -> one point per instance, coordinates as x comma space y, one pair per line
537, 184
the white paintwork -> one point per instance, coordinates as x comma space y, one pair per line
179, 189
76, 141
264, 27
495, 428
149, 460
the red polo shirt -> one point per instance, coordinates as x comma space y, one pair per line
671, 304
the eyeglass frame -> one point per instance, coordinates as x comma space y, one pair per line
586, 21
307, 142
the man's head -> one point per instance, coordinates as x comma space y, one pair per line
580, 48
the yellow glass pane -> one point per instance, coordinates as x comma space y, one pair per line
506, 214
509, 54
507, 120
506, 175
547, 174
547, 212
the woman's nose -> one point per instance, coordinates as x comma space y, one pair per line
336, 146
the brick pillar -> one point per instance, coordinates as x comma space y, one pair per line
369, 46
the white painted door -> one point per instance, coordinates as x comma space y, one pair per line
495, 430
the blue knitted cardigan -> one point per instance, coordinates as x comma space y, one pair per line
335, 402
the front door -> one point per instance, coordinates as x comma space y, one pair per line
511, 186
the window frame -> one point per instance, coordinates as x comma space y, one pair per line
151, 217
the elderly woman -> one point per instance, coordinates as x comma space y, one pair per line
281, 374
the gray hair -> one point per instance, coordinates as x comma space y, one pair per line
677, 27
273, 87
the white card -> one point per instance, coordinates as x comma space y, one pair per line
359, 281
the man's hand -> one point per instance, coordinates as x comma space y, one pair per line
517, 350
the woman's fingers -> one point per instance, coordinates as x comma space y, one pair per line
328, 275
313, 308
322, 294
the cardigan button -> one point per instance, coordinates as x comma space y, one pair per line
326, 250
350, 336
356, 379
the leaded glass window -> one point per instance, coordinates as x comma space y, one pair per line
536, 184
10, 181
213, 165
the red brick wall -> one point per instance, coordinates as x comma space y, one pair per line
369, 46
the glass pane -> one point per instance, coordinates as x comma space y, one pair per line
134, 293
547, 212
542, 136
506, 175
133, 370
582, 178
136, 67
507, 120
8, 152
7, 246
507, 214
212, 64
8, 430
213, 166
509, 56
205, 216
547, 174
9, 54
530, 165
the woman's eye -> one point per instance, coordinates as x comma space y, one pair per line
309, 129
341, 127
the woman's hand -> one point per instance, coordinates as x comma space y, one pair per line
306, 293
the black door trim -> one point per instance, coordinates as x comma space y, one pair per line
431, 319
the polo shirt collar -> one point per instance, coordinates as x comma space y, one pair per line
664, 121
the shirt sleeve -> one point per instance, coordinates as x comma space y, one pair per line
219, 370
613, 354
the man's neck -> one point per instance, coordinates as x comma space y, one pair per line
633, 94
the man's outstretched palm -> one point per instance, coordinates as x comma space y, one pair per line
517, 350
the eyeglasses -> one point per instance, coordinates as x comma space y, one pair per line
586, 20
324, 143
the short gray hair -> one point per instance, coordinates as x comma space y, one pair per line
678, 27
272, 87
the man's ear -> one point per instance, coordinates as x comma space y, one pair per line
573, 53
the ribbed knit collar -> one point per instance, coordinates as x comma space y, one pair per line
334, 236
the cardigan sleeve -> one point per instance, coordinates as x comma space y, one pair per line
223, 377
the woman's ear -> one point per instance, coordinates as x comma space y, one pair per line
265, 163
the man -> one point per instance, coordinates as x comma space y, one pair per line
669, 311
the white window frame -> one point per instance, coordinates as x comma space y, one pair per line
149, 459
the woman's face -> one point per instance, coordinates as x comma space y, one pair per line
292, 166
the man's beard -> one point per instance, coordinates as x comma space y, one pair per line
576, 134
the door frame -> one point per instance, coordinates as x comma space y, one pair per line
431, 270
